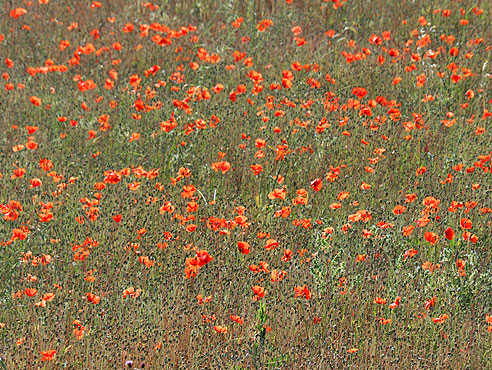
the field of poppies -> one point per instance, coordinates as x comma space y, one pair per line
219, 184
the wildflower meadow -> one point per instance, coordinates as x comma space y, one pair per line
222, 184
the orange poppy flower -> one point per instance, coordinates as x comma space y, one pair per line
441, 319
316, 184
244, 247
432, 238
93, 298
30, 292
256, 169
399, 209
78, 332
380, 300
423, 221
271, 244
17, 12
132, 292
302, 292
258, 291
48, 297
287, 255
410, 253
134, 186
31, 145
420, 171
220, 329
146, 261
35, 183
48, 355
35, 100
395, 303
277, 193
188, 191
466, 223
237, 319
222, 166
449, 233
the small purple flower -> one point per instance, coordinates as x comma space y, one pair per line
129, 363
